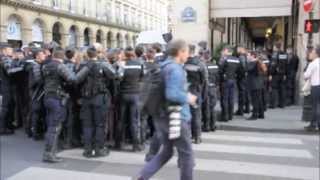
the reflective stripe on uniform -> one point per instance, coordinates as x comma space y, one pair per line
212, 67
283, 56
132, 67
233, 61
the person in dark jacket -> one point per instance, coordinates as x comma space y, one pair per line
130, 88
55, 74
255, 85
230, 69
292, 69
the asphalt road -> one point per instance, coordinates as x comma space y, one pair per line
276, 148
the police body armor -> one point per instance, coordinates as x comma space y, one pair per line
282, 63
229, 67
194, 75
133, 74
213, 70
54, 74
98, 79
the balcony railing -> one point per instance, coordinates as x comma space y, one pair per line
75, 11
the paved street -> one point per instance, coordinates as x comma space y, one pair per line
273, 149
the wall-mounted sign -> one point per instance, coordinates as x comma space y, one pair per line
13, 30
189, 15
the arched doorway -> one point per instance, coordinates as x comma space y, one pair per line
127, 38
38, 32
14, 33
87, 37
99, 36
73, 36
119, 41
57, 32
109, 40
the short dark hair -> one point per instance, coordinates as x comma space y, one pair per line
36, 52
175, 46
317, 49
92, 52
129, 53
58, 53
157, 47
70, 53
139, 50
229, 48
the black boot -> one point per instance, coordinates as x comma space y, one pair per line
261, 116
88, 152
197, 140
238, 113
101, 152
253, 118
49, 155
137, 147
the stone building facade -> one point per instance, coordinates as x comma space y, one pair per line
79, 23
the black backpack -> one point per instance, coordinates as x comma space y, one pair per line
153, 97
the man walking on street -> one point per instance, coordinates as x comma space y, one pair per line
174, 93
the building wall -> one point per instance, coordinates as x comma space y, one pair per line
118, 22
302, 39
192, 32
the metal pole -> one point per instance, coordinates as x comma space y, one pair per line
310, 36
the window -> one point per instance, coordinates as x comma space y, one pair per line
118, 14
108, 12
55, 4
72, 6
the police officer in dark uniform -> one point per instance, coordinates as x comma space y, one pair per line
213, 70
94, 98
278, 77
243, 98
36, 93
230, 69
55, 74
7, 106
130, 88
196, 76
292, 69
68, 130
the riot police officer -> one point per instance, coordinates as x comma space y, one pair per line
94, 102
36, 94
230, 69
7, 107
292, 69
130, 88
69, 124
55, 74
278, 77
213, 71
196, 77
243, 99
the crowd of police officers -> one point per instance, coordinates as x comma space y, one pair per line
95, 98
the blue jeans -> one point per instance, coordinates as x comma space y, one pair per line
184, 147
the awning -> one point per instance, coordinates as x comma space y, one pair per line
250, 8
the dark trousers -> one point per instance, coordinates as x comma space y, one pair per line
72, 125
184, 147
291, 89
7, 110
227, 99
155, 142
38, 125
196, 121
212, 111
93, 115
315, 94
256, 96
265, 97
278, 92
54, 117
129, 110
241, 95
